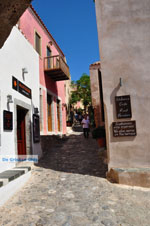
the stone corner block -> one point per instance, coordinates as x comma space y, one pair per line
130, 176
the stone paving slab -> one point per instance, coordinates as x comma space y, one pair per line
23, 167
130, 176
11, 174
64, 191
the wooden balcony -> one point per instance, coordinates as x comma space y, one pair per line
56, 68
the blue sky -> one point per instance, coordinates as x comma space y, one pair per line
72, 23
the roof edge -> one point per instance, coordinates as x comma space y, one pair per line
34, 11
95, 65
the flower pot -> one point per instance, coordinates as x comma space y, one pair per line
101, 142
69, 124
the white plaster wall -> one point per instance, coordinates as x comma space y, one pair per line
124, 40
8, 190
16, 54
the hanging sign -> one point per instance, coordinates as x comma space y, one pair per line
123, 106
21, 88
8, 120
36, 128
123, 129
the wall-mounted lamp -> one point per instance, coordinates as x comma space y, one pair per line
50, 42
9, 99
24, 70
120, 83
36, 110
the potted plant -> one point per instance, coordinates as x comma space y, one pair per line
99, 134
69, 121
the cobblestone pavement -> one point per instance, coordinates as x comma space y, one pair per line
68, 188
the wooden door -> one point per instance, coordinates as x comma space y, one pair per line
58, 114
49, 112
21, 135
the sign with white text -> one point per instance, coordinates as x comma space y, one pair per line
124, 129
123, 106
21, 88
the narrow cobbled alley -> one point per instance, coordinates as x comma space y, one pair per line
68, 188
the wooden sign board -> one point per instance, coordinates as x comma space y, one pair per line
21, 88
36, 128
124, 129
24, 90
8, 120
123, 106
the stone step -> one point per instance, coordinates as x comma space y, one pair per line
12, 174
130, 176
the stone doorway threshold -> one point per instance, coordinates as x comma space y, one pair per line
130, 176
12, 180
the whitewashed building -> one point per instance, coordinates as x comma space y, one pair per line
19, 99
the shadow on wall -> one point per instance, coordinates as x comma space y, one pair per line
112, 100
97, 114
51, 85
73, 154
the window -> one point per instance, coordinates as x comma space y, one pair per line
38, 43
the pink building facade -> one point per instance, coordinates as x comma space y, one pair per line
53, 73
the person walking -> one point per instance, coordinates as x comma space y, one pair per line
86, 124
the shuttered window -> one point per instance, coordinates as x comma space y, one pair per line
38, 43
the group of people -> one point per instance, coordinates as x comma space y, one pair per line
78, 117
83, 120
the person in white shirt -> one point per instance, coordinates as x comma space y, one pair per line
86, 124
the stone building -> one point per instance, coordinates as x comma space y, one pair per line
97, 93
53, 72
124, 34
19, 99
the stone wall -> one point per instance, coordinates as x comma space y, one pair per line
95, 93
48, 141
14, 47
124, 40
10, 12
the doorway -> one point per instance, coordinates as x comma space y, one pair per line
21, 130
49, 112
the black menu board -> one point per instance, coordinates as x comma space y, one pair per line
123, 129
36, 128
8, 120
123, 106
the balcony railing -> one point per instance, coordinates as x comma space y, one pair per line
56, 68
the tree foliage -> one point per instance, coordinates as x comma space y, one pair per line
81, 91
